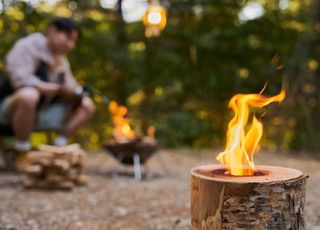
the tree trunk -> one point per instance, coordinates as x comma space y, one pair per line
271, 199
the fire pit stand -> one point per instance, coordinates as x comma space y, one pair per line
134, 153
273, 198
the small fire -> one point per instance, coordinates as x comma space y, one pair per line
150, 135
241, 145
151, 132
122, 131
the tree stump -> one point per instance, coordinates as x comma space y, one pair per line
271, 199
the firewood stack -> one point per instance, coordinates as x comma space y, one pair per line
55, 167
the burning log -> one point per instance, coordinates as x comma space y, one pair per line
55, 167
272, 198
241, 195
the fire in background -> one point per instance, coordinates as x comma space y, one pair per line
122, 131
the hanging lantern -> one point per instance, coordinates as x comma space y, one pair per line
155, 20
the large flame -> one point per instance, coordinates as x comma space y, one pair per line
241, 145
122, 131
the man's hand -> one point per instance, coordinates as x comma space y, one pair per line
71, 94
48, 88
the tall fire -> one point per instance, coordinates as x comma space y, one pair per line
238, 194
122, 131
242, 142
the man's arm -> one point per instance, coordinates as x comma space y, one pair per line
70, 83
21, 64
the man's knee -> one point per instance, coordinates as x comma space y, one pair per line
88, 105
27, 96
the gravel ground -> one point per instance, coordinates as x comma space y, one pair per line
117, 202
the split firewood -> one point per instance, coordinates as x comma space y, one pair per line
57, 149
37, 157
65, 185
63, 165
34, 169
54, 178
55, 167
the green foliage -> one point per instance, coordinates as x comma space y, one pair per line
182, 128
181, 81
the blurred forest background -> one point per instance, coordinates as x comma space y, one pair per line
181, 81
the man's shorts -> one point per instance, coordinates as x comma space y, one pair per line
51, 117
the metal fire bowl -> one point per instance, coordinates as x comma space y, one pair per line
124, 152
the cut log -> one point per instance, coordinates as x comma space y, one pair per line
271, 199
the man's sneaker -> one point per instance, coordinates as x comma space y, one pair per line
22, 146
60, 141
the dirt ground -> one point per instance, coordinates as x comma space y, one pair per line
117, 202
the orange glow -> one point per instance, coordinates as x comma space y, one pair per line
241, 145
155, 20
151, 132
122, 131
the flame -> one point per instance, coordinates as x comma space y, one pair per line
122, 131
150, 138
241, 145
151, 132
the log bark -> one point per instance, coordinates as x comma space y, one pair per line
272, 199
